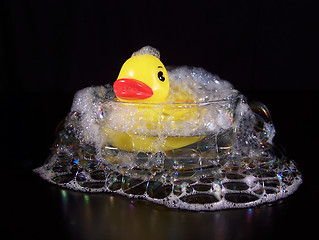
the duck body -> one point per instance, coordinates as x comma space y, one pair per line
142, 143
153, 127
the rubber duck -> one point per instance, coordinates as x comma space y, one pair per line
143, 81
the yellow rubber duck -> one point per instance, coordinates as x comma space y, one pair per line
143, 83
142, 79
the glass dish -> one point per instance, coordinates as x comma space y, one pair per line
197, 156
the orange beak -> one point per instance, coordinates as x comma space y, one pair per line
131, 89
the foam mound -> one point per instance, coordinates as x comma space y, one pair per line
234, 163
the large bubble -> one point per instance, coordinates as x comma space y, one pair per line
214, 153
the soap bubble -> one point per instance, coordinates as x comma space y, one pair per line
223, 155
147, 50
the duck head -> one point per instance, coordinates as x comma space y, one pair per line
143, 78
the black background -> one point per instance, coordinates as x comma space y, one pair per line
67, 45
50, 49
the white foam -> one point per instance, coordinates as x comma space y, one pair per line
147, 50
199, 84
86, 102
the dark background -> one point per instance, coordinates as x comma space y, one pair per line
60, 46
50, 49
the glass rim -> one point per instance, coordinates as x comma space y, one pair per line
231, 98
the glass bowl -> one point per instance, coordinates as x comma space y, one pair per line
197, 156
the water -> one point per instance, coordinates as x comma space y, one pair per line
214, 153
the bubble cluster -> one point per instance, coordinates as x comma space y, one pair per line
198, 84
147, 50
230, 161
183, 178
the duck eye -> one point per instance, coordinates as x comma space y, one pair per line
160, 76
